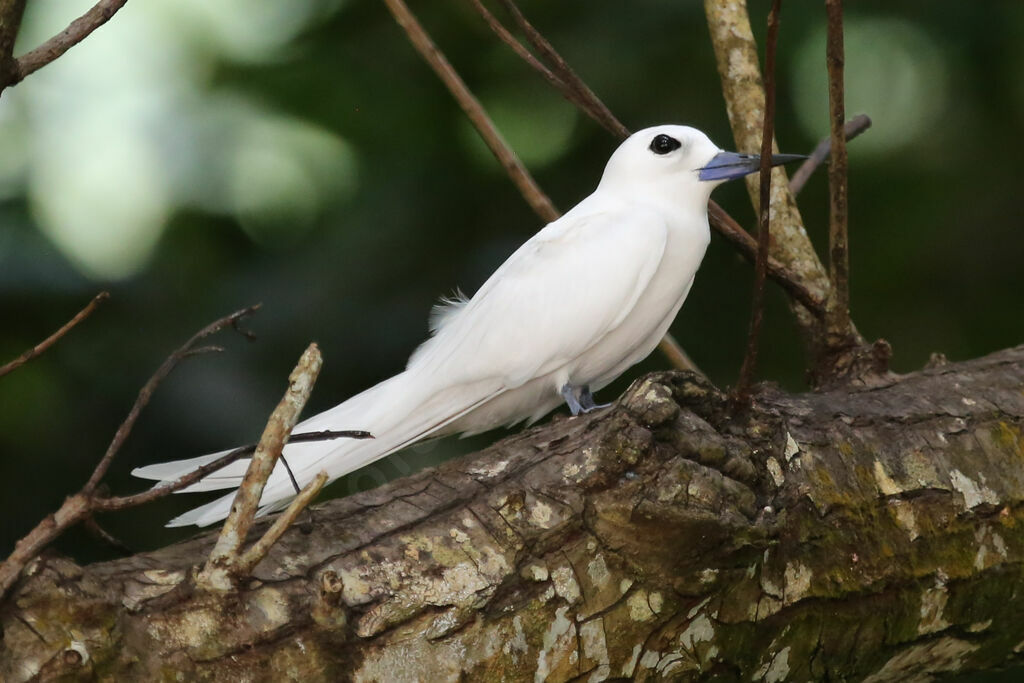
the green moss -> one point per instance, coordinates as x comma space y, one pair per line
1009, 437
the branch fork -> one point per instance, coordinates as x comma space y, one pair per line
228, 563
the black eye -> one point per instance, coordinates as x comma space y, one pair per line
663, 144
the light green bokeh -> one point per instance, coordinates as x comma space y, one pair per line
535, 124
282, 172
895, 73
111, 139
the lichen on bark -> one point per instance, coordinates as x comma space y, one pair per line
857, 534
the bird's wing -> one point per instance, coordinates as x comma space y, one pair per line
555, 297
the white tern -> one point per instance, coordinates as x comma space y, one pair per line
581, 301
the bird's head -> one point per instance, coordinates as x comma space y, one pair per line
678, 163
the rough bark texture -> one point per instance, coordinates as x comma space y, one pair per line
865, 534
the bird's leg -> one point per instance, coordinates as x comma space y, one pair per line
581, 403
569, 394
587, 402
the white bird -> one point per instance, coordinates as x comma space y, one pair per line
581, 301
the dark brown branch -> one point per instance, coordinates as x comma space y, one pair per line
746, 245
528, 187
76, 32
506, 37
146, 393
839, 258
42, 346
11, 12
94, 528
160, 491
749, 366
83, 504
575, 90
854, 127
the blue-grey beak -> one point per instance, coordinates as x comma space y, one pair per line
729, 165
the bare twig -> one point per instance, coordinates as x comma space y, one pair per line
677, 355
11, 12
94, 528
854, 127
183, 482
255, 554
528, 187
225, 563
749, 366
572, 90
738, 66
579, 92
76, 32
520, 50
73, 510
81, 506
747, 246
146, 393
839, 259
42, 346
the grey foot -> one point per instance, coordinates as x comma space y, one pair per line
581, 403
587, 400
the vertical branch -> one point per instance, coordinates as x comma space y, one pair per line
536, 198
224, 558
839, 260
737, 58
11, 12
765, 177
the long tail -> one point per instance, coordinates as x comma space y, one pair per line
398, 412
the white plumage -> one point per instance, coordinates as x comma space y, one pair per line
580, 302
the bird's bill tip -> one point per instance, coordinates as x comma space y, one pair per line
730, 165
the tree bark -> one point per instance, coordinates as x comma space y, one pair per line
868, 533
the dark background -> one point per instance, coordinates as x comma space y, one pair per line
325, 172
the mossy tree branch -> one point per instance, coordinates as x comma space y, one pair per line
839, 534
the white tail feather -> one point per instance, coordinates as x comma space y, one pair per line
397, 412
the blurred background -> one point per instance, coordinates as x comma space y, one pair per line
194, 157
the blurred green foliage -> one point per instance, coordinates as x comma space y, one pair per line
325, 172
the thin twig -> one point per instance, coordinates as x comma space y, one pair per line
93, 527
224, 564
255, 554
854, 127
593, 107
839, 258
160, 491
506, 37
76, 32
749, 366
146, 393
535, 197
746, 245
580, 91
11, 12
81, 506
677, 355
42, 346
738, 59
